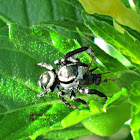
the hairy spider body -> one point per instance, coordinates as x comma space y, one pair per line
72, 74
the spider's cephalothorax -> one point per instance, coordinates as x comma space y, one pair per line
72, 74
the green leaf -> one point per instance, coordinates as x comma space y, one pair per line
68, 25
26, 48
68, 133
50, 120
19, 91
40, 48
135, 98
127, 78
3, 28
19, 102
123, 94
133, 32
122, 42
79, 115
2, 24
8, 12
34, 12
74, 3
109, 62
65, 45
75, 117
96, 107
126, 2
16, 64
108, 123
104, 18
137, 3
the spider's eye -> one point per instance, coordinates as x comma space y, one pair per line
68, 73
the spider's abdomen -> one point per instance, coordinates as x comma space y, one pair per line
46, 80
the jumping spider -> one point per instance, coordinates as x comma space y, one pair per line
71, 75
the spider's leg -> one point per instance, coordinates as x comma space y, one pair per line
93, 69
91, 91
60, 95
42, 94
45, 65
73, 95
58, 62
69, 54
70, 60
64, 61
88, 50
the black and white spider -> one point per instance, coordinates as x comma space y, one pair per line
72, 74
